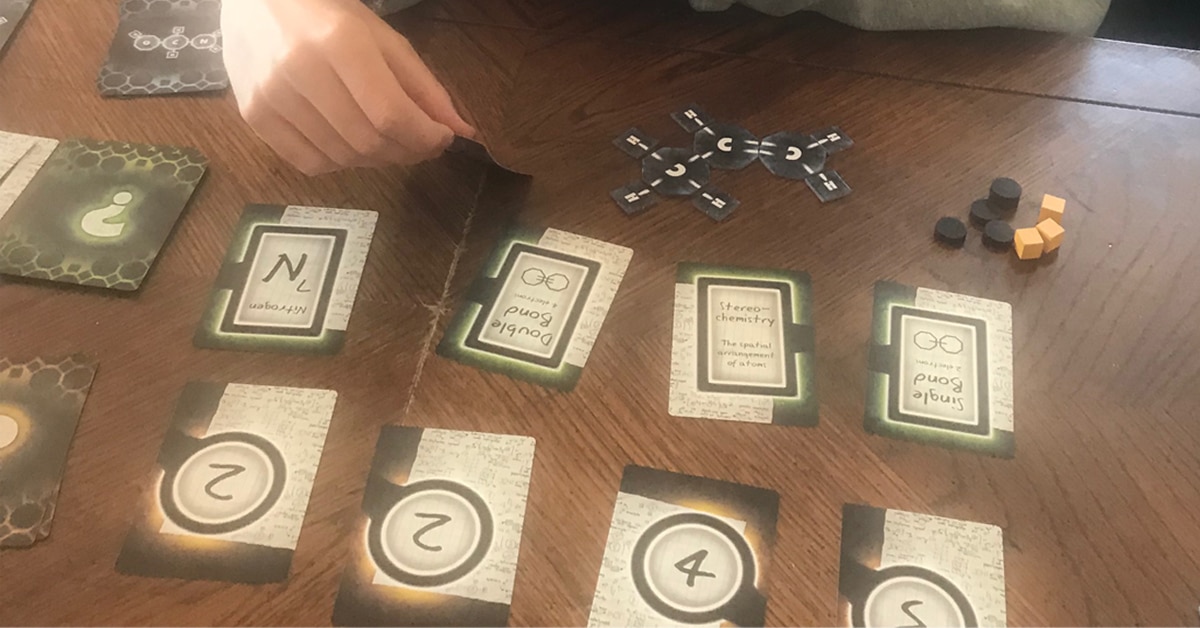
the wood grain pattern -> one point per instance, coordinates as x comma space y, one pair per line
1099, 506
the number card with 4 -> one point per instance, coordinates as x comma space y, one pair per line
536, 309
95, 213
440, 531
230, 488
289, 280
743, 346
685, 550
941, 369
911, 570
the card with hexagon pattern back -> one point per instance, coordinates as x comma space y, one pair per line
11, 14
165, 47
97, 213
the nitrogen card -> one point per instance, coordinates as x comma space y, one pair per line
230, 487
906, 569
11, 14
40, 403
536, 308
165, 47
743, 345
685, 550
439, 534
97, 213
941, 369
289, 280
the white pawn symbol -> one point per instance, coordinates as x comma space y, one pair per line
96, 222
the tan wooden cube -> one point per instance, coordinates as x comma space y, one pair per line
1052, 234
1052, 208
1028, 243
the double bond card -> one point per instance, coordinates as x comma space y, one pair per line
289, 280
40, 403
743, 346
165, 47
941, 369
685, 550
906, 569
227, 495
536, 309
440, 530
11, 14
94, 213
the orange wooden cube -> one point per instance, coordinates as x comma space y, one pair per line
1052, 208
1028, 243
1052, 234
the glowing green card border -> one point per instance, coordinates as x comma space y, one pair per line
453, 346
876, 420
803, 408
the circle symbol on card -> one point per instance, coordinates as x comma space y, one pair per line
907, 596
692, 567
226, 483
9, 430
437, 532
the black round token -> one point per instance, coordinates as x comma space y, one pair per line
998, 235
982, 213
1005, 194
951, 232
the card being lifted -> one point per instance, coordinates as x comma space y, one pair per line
289, 280
440, 530
905, 569
165, 47
40, 403
97, 213
231, 484
941, 369
685, 550
743, 347
536, 309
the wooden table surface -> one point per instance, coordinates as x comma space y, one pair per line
1100, 507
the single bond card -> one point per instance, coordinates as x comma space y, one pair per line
289, 280
743, 345
95, 213
11, 14
40, 403
228, 493
941, 369
165, 47
905, 569
684, 550
536, 309
440, 531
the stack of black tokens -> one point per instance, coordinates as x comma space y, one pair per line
988, 214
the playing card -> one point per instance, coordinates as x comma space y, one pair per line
227, 495
634, 198
40, 403
792, 155
941, 369
635, 142
691, 118
726, 146
536, 308
684, 550
165, 47
478, 152
289, 280
833, 139
743, 348
906, 569
715, 204
21, 156
97, 213
11, 14
828, 186
675, 172
440, 530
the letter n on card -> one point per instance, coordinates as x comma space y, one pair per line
941, 369
743, 346
535, 310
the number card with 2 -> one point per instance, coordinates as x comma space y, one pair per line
289, 280
685, 550
235, 472
440, 530
743, 347
902, 569
536, 310
941, 369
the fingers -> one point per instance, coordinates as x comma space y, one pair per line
287, 141
314, 124
418, 80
